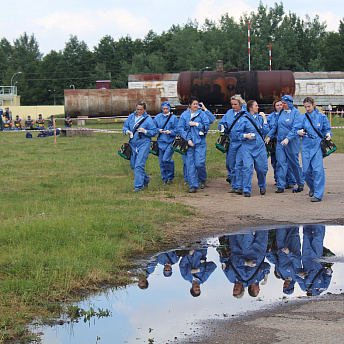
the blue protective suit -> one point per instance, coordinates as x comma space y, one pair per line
287, 156
312, 158
287, 265
317, 277
253, 151
194, 262
290, 180
234, 159
140, 146
196, 155
164, 142
245, 247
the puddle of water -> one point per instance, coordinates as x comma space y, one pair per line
166, 311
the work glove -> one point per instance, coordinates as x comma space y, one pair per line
328, 136
222, 129
128, 132
301, 132
249, 136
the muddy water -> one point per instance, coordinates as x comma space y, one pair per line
307, 259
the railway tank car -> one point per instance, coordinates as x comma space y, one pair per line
217, 88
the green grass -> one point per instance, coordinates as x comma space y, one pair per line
70, 221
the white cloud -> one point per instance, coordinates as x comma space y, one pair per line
332, 20
88, 22
213, 9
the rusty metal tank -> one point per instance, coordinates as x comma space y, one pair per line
213, 88
110, 102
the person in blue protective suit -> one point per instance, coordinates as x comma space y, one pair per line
140, 142
253, 147
167, 125
28, 123
312, 157
193, 126
286, 256
234, 158
290, 179
168, 259
288, 145
17, 123
195, 269
315, 276
246, 266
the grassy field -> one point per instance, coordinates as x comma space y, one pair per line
70, 221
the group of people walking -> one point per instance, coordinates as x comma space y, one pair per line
248, 131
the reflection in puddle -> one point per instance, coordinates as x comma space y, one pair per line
226, 277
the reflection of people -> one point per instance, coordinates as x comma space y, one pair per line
246, 266
288, 146
167, 125
234, 153
251, 131
312, 157
140, 128
195, 269
143, 279
168, 259
315, 276
193, 126
286, 255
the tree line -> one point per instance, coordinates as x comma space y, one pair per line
297, 44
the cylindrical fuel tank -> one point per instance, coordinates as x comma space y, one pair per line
110, 102
214, 88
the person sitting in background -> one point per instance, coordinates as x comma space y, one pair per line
8, 113
51, 122
28, 123
68, 122
40, 122
1, 123
7, 124
17, 123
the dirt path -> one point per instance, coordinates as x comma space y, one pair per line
221, 212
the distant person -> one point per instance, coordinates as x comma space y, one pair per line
29, 123
17, 123
7, 124
51, 122
40, 122
146, 272
68, 122
140, 128
329, 107
167, 127
1, 122
8, 113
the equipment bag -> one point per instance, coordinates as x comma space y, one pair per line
154, 148
125, 150
180, 145
327, 146
222, 144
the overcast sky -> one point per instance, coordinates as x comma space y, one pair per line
52, 22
